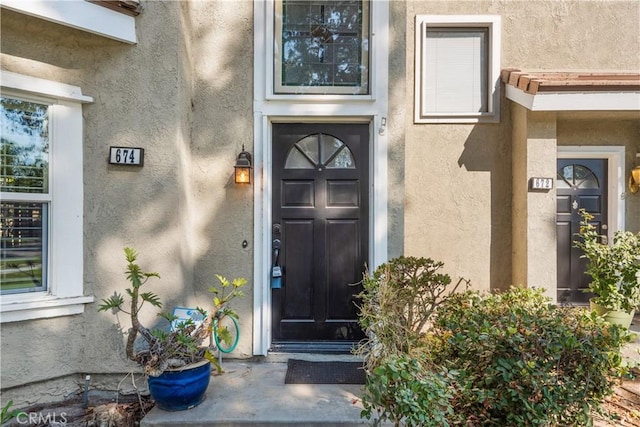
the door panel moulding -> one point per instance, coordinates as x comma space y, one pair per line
263, 193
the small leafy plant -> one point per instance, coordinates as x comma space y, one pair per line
614, 269
8, 414
183, 344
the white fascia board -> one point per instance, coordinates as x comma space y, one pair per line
81, 15
42, 87
575, 101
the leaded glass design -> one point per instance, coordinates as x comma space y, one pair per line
322, 47
320, 150
577, 176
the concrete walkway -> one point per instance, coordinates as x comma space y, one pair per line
253, 393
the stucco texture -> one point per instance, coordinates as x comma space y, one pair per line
181, 210
184, 93
459, 178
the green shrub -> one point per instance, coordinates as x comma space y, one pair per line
403, 391
614, 268
434, 357
522, 361
397, 303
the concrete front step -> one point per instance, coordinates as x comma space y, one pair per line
254, 394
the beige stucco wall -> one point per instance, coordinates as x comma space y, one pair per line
534, 144
184, 94
399, 112
458, 184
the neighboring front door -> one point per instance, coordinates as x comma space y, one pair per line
321, 220
581, 185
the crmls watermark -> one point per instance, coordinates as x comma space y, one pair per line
39, 418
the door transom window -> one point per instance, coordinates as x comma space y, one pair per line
322, 47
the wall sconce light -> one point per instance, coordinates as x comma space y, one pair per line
634, 180
243, 167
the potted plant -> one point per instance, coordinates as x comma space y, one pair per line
176, 362
614, 270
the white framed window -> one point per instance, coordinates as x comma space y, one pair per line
457, 78
321, 47
41, 198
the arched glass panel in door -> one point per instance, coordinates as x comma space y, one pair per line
577, 176
320, 150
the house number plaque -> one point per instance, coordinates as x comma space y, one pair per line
126, 156
541, 184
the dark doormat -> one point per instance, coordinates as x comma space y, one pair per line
306, 372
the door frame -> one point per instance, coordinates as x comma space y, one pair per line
262, 188
614, 155
269, 107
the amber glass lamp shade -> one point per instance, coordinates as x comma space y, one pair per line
243, 168
634, 180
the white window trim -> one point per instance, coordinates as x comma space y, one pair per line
268, 109
493, 24
81, 15
64, 295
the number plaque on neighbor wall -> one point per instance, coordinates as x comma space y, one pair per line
541, 184
126, 156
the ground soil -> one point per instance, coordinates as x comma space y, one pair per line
623, 407
123, 411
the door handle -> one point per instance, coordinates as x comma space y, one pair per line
276, 257
276, 269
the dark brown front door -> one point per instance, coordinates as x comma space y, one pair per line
581, 185
321, 218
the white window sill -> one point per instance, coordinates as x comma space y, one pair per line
461, 118
39, 307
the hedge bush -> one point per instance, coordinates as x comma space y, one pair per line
520, 360
505, 359
397, 303
403, 391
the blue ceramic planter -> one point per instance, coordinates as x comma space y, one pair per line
181, 389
